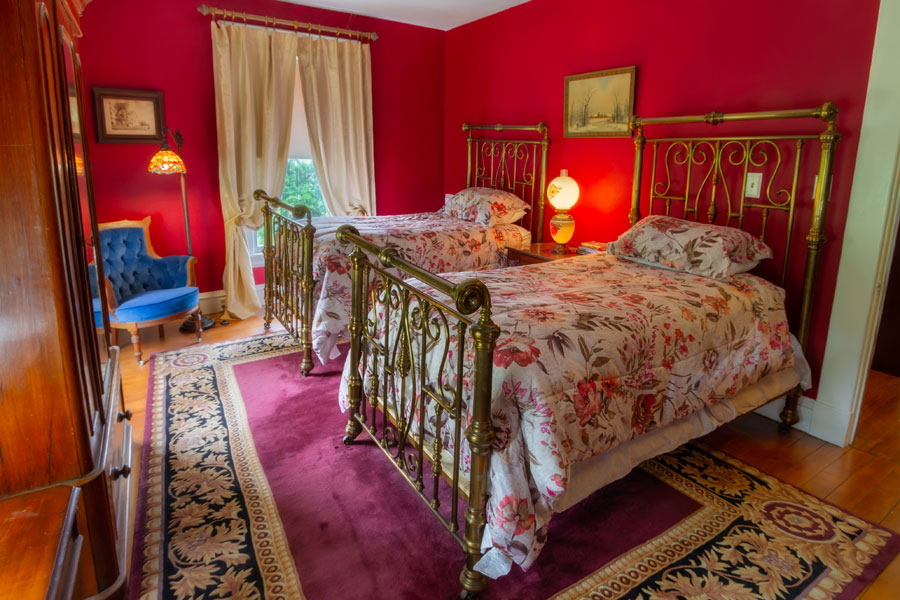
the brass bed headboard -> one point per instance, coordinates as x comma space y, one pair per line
515, 165
706, 178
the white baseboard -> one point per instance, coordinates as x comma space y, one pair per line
772, 410
214, 301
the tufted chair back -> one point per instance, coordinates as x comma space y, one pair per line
130, 268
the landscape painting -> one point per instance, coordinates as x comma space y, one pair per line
599, 104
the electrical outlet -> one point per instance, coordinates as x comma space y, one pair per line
754, 183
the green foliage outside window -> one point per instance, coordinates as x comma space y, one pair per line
301, 186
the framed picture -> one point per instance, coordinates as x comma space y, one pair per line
599, 104
128, 116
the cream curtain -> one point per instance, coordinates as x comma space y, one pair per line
336, 78
254, 73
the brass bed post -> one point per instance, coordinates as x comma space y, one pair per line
306, 288
542, 198
469, 139
269, 254
355, 327
635, 214
815, 239
480, 434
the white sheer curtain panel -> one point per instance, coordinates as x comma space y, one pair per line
254, 70
336, 78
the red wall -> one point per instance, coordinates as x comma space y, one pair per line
691, 58
165, 45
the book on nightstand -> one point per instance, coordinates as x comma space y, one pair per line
590, 247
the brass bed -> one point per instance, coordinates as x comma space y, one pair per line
699, 177
506, 157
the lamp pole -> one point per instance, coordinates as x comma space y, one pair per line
188, 325
179, 142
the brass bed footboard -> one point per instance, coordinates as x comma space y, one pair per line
414, 400
289, 281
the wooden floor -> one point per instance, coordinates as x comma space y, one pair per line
864, 478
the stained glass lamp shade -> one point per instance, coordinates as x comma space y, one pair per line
166, 162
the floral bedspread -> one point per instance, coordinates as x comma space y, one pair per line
594, 351
431, 240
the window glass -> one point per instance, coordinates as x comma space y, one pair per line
301, 186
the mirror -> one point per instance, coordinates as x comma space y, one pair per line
97, 319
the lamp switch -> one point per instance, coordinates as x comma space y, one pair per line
754, 183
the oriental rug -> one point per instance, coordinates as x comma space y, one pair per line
233, 432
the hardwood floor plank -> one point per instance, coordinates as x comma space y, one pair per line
883, 495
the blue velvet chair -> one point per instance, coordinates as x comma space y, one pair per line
142, 288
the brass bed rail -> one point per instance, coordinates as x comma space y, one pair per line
289, 280
511, 165
396, 326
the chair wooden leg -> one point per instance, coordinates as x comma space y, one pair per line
198, 325
136, 342
162, 331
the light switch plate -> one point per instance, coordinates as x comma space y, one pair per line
754, 183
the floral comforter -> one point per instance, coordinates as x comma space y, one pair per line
431, 240
595, 351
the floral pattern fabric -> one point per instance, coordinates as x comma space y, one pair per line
485, 206
713, 251
593, 352
433, 241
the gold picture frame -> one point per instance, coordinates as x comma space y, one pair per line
599, 104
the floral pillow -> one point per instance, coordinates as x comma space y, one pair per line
712, 251
485, 206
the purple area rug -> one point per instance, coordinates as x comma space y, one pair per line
691, 523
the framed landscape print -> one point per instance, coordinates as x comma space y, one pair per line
599, 104
128, 116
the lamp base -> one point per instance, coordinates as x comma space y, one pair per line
561, 249
188, 325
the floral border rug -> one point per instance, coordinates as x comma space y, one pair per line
754, 537
207, 525
210, 526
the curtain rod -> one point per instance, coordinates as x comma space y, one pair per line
297, 26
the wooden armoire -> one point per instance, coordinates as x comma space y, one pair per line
65, 443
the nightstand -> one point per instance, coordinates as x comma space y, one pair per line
536, 253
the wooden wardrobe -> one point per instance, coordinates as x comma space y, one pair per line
65, 443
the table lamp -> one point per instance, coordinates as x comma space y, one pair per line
167, 162
562, 193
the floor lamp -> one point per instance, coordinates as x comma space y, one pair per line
166, 162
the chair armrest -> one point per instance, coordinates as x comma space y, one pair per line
111, 304
181, 269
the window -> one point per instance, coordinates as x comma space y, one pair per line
301, 186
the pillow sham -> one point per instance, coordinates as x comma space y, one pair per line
713, 251
485, 206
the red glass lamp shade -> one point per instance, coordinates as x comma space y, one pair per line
166, 162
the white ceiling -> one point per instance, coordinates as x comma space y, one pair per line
438, 14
